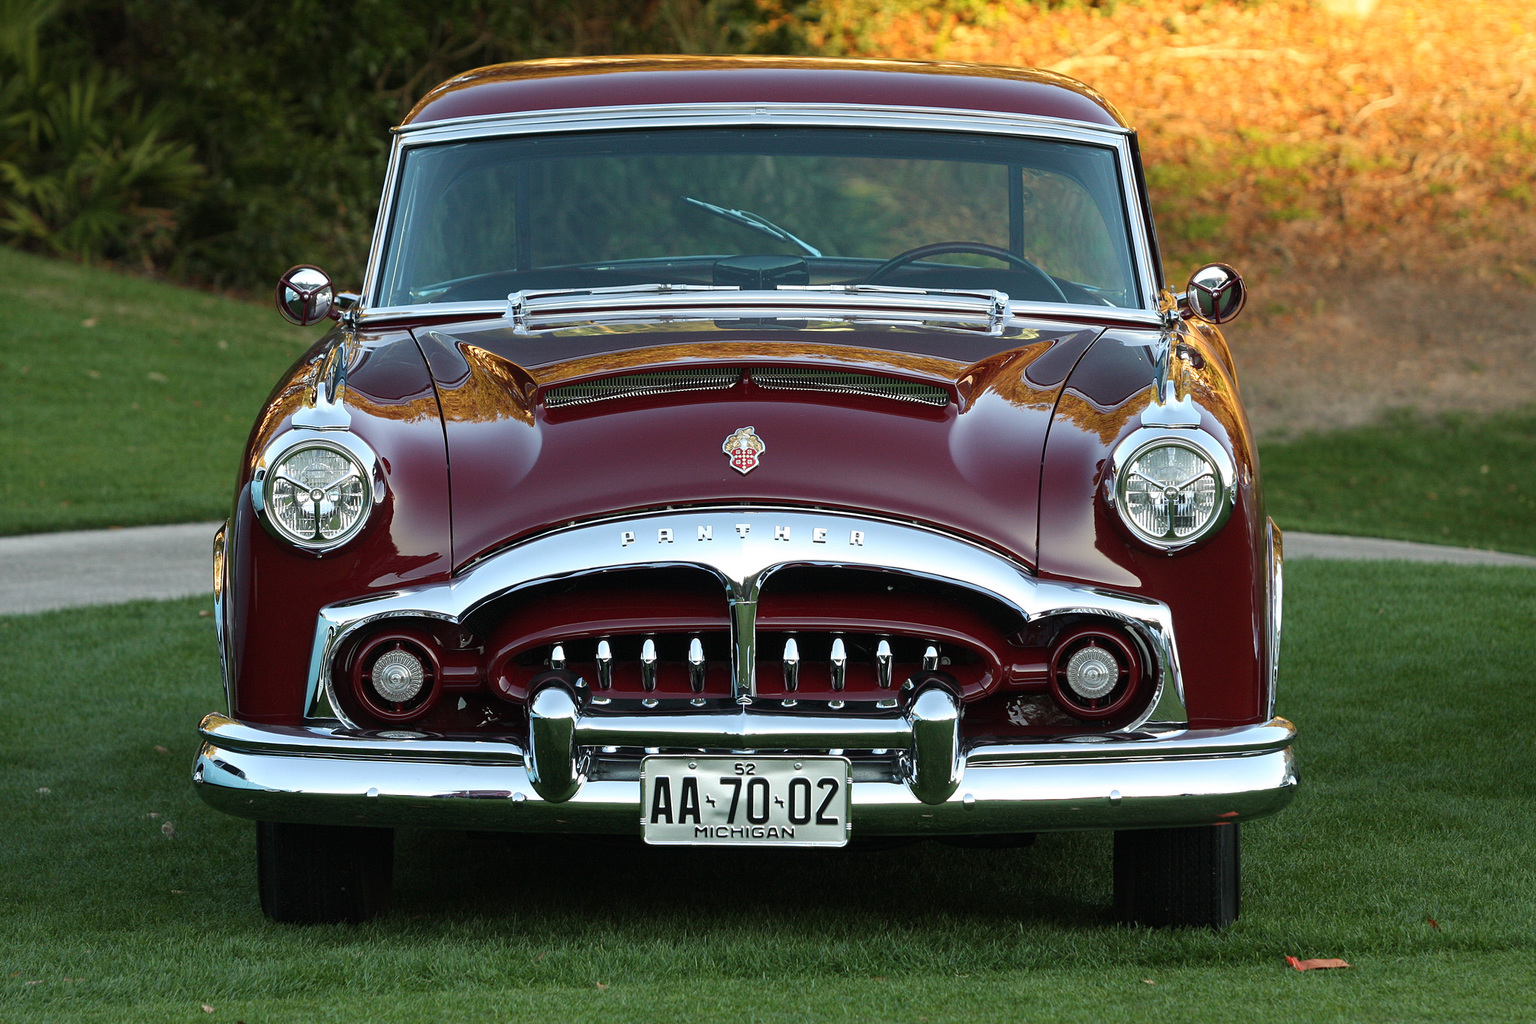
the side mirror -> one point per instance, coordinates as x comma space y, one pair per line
1216, 294
305, 295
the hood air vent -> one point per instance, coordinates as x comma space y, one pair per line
802, 379
633, 385
791, 378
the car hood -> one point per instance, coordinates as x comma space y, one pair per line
524, 458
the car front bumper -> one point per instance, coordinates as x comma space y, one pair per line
329, 774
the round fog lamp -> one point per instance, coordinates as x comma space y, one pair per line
398, 676
1092, 672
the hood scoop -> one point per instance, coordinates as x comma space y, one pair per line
787, 378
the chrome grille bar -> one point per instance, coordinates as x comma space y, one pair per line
696, 665
604, 665
648, 664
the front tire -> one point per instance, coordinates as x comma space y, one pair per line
323, 874
1179, 877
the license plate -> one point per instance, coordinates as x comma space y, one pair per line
745, 801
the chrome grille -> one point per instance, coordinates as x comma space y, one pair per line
633, 385
808, 379
790, 666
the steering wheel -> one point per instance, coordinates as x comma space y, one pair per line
977, 248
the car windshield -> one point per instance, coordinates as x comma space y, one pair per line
759, 208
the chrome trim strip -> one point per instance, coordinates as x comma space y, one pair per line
830, 115
535, 312
1276, 607
1162, 780
222, 545
1021, 314
741, 548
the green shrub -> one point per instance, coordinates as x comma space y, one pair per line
84, 171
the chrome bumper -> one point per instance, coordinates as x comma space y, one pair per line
1148, 779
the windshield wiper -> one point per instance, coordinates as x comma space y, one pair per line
748, 219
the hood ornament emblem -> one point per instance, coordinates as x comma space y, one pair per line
744, 447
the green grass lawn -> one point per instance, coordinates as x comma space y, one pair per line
1464, 480
1408, 852
125, 401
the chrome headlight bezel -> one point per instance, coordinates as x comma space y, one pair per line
347, 445
1203, 446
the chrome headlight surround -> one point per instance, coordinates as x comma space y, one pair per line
364, 466
1203, 447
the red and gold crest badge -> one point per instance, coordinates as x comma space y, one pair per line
743, 447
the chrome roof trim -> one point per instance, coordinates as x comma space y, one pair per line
631, 116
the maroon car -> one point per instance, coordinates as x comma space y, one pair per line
754, 451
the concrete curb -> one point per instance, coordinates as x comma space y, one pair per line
45, 571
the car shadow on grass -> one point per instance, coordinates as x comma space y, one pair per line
572, 882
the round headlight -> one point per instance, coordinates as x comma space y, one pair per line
1171, 491
315, 493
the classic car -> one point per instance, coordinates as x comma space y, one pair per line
754, 451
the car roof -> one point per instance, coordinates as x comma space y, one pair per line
583, 82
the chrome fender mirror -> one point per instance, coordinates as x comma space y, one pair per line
1215, 294
305, 295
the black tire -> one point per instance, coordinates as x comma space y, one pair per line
1179, 877
323, 874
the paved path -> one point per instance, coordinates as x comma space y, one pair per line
66, 570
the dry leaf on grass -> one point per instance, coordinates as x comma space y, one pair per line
161, 750
1314, 965
602, 987
207, 1008
168, 830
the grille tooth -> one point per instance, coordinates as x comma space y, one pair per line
604, 665
839, 664
696, 665
884, 660
791, 665
648, 664
633, 385
798, 378
557, 658
931, 659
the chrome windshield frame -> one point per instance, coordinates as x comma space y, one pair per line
725, 115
